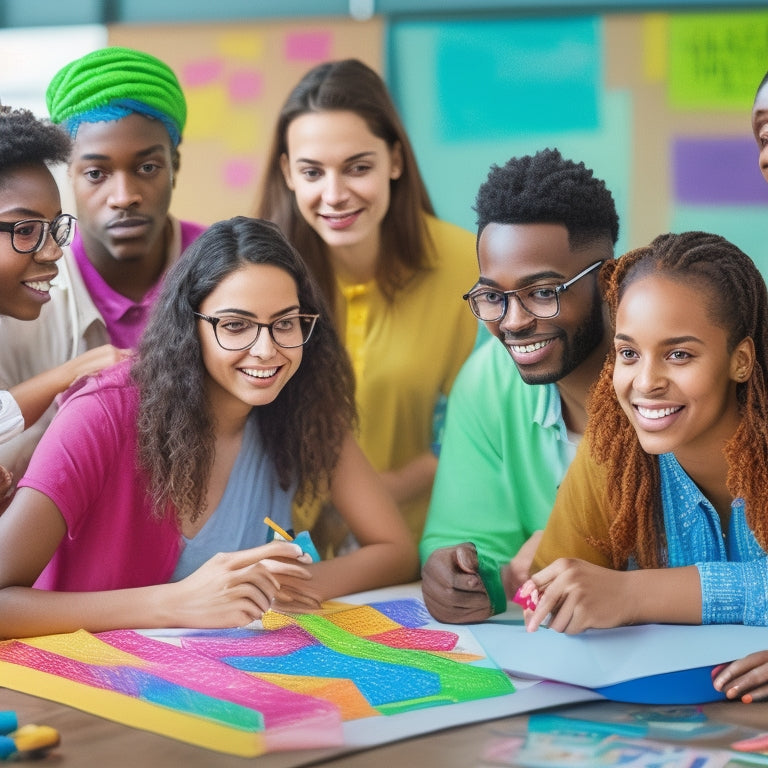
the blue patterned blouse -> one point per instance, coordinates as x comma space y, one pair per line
733, 567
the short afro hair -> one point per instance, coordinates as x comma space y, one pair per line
545, 188
27, 140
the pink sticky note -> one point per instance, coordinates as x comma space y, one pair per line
202, 72
308, 46
245, 85
239, 173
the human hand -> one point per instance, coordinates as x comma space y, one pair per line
745, 678
577, 595
518, 569
93, 361
451, 585
296, 596
233, 589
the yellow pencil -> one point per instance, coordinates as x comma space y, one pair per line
277, 529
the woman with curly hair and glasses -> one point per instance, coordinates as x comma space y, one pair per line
240, 399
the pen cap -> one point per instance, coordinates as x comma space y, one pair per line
8, 721
304, 540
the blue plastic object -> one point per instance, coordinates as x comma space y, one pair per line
8, 721
7, 747
688, 686
304, 540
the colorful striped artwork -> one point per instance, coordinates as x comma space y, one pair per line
290, 685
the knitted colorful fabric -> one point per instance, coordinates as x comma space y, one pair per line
114, 82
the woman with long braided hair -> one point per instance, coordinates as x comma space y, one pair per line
661, 517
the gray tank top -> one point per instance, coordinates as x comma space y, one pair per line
252, 493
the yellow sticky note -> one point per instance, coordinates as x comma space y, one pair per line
655, 44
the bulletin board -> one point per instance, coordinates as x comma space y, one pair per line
657, 104
235, 78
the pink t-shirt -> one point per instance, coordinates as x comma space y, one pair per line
86, 464
124, 318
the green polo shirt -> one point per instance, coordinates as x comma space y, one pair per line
504, 453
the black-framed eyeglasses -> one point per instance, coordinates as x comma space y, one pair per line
28, 235
541, 301
238, 333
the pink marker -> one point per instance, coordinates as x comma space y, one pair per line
529, 602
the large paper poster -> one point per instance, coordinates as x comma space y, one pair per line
247, 692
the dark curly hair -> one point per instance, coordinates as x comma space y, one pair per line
736, 300
545, 188
302, 429
352, 86
25, 140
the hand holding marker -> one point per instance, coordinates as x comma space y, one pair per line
303, 539
528, 602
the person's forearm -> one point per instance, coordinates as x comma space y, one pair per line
666, 596
26, 612
370, 567
412, 479
36, 394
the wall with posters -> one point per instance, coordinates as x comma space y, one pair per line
657, 103
235, 78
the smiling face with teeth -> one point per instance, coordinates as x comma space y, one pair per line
514, 256
675, 376
238, 381
27, 192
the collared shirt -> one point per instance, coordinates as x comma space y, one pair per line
505, 451
733, 567
123, 317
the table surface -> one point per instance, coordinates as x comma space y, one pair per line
89, 740
93, 741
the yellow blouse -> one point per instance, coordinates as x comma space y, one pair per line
407, 352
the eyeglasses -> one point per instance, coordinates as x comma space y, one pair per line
237, 333
542, 301
28, 236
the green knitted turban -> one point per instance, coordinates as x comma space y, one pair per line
113, 82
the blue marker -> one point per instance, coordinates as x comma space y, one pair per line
303, 539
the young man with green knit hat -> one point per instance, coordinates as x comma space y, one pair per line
125, 112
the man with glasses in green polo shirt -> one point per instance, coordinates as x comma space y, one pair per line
545, 225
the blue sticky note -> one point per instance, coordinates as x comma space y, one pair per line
499, 79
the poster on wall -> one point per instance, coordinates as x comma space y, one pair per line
235, 78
